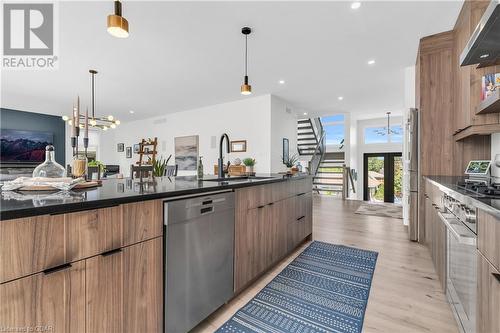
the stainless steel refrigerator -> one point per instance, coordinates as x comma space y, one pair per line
413, 137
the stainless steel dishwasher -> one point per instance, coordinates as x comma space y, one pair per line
199, 249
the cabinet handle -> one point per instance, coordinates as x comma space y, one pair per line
300, 194
206, 210
261, 206
497, 276
111, 252
78, 210
300, 218
271, 203
56, 269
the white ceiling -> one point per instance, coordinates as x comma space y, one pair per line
183, 55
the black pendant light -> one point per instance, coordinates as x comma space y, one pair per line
117, 24
246, 89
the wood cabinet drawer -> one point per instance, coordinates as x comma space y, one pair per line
30, 245
488, 235
124, 289
142, 221
92, 232
282, 190
53, 302
303, 185
254, 196
488, 297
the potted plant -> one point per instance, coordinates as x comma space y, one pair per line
97, 167
290, 161
249, 164
159, 166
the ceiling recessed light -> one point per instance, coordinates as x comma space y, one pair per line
305, 113
371, 62
282, 81
340, 98
482, 56
131, 111
355, 5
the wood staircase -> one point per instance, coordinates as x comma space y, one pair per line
307, 139
330, 176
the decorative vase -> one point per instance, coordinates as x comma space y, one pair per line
249, 169
50, 168
79, 167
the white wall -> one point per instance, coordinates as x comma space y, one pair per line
283, 125
495, 149
249, 119
363, 148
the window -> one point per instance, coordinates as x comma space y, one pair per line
333, 119
334, 127
334, 134
379, 134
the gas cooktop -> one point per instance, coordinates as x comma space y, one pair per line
483, 188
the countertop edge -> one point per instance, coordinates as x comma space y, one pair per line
82, 206
466, 199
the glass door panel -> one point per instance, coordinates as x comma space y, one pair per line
382, 177
398, 179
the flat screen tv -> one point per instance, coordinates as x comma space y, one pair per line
26, 147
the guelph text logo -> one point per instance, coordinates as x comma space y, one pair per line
29, 36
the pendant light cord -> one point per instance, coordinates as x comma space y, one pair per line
93, 97
246, 55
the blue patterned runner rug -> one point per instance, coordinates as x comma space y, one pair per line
325, 289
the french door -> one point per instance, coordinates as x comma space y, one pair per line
382, 177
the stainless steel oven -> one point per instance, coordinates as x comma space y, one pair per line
461, 262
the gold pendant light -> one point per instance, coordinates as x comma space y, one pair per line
117, 24
246, 89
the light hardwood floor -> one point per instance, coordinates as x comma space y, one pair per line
405, 295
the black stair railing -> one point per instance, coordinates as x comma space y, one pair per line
319, 150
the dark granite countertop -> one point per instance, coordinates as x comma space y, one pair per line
448, 184
118, 191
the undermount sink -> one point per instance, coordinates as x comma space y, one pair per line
235, 179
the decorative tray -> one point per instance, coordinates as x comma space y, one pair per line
78, 186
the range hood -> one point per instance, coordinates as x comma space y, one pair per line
484, 45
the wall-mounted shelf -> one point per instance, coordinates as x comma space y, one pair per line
490, 104
477, 130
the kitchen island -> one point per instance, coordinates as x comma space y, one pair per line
92, 260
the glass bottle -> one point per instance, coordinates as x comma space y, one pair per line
79, 167
50, 168
200, 169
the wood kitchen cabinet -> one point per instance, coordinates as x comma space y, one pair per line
88, 271
488, 273
250, 246
439, 249
91, 232
435, 232
468, 78
53, 301
265, 233
124, 289
488, 236
141, 221
488, 296
31, 245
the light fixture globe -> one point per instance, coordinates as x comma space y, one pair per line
246, 89
117, 24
